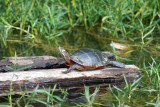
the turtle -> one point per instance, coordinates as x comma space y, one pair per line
87, 59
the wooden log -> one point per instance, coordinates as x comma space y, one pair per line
75, 79
40, 72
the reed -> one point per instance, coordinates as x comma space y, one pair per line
35, 20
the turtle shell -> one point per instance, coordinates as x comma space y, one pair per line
89, 57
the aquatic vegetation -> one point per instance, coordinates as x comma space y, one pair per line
44, 96
90, 97
35, 20
126, 92
153, 73
32, 20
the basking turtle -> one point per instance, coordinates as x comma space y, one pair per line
87, 58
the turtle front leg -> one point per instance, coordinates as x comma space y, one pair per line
76, 66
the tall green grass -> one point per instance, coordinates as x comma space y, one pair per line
37, 19
153, 74
41, 96
90, 97
144, 91
31, 20
124, 95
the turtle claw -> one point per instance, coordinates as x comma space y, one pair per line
65, 72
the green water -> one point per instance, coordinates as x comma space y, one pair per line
138, 54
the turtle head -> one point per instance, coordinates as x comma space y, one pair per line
64, 54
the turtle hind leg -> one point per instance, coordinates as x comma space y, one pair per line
76, 66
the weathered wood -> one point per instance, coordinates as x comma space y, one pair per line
74, 79
40, 72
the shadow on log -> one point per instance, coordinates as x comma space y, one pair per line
46, 71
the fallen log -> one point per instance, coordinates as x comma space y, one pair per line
75, 79
46, 71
